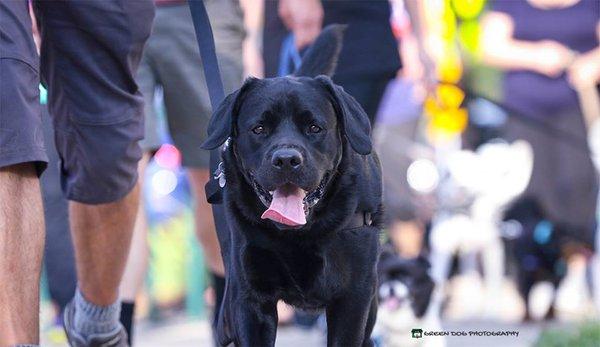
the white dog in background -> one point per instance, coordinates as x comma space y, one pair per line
486, 181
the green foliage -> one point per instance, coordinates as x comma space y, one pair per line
584, 335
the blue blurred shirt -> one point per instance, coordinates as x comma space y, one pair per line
529, 92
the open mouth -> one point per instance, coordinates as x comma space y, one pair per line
289, 204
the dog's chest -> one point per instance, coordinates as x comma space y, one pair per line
298, 276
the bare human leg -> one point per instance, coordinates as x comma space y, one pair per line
205, 225
21, 248
137, 262
102, 236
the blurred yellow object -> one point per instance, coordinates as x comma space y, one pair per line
450, 65
448, 28
446, 117
444, 111
468, 35
450, 121
450, 96
468, 9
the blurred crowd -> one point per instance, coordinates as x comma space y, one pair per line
486, 118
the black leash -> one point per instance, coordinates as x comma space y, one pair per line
210, 65
206, 45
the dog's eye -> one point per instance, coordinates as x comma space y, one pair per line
259, 129
385, 290
315, 129
400, 289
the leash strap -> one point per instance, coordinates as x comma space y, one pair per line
210, 65
206, 45
289, 57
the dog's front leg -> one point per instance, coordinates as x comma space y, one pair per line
350, 320
256, 323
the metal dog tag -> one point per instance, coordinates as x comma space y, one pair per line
222, 180
220, 175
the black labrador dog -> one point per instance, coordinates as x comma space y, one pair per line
302, 197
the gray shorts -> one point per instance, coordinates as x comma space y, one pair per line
171, 60
90, 51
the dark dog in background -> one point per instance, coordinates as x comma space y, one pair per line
405, 292
302, 197
537, 252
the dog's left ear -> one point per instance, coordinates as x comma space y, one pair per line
422, 286
355, 123
421, 292
221, 123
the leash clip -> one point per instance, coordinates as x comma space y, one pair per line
226, 145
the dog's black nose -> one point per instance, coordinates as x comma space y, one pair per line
286, 159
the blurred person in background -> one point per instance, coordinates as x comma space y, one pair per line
397, 128
172, 62
369, 58
550, 50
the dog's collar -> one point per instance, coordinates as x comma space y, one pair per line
359, 219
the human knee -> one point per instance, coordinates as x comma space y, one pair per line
18, 171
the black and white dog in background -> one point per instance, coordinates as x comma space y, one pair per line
405, 293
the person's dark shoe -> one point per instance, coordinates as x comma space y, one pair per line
118, 338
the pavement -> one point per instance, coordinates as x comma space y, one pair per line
179, 331
465, 316
184, 333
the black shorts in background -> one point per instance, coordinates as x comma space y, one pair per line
90, 52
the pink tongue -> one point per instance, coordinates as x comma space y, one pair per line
392, 303
287, 206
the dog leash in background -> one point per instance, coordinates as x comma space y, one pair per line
289, 57
210, 65
208, 53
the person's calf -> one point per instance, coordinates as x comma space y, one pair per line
205, 226
21, 247
137, 262
102, 236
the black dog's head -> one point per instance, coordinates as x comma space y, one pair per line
404, 282
288, 133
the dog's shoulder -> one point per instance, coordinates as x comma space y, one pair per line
368, 185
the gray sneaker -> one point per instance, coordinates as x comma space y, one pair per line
117, 338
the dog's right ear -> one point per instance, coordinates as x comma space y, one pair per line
221, 125
354, 121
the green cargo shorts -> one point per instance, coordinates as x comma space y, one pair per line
171, 62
